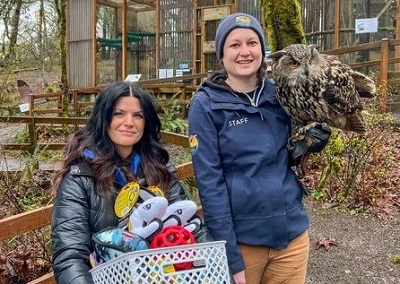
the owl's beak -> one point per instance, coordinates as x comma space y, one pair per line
306, 68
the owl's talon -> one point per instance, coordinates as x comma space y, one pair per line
295, 138
303, 164
303, 130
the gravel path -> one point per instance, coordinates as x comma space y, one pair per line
7, 135
365, 247
8, 131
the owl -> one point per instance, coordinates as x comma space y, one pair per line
314, 87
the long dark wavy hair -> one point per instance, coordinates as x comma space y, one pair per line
93, 136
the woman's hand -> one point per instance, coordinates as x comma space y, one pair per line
239, 277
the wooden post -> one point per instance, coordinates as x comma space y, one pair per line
194, 41
32, 135
124, 40
397, 35
75, 102
157, 37
337, 24
31, 102
384, 74
94, 43
60, 104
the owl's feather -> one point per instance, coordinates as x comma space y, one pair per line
314, 87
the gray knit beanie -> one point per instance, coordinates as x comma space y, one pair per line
233, 21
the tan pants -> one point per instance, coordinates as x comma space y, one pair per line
271, 266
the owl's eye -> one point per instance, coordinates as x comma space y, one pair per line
294, 63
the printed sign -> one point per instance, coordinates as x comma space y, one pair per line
368, 25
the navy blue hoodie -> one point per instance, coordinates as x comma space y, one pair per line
248, 192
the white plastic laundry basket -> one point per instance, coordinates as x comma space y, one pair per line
155, 266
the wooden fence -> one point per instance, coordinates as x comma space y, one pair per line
166, 92
383, 63
32, 123
387, 67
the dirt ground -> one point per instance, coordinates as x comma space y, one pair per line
365, 246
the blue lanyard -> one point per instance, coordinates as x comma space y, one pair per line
119, 175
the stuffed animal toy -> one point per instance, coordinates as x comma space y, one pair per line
113, 242
154, 214
145, 220
182, 213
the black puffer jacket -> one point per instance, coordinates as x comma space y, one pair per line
78, 214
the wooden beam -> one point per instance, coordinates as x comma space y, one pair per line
25, 222
124, 40
45, 279
44, 120
176, 139
157, 36
337, 24
384, 74
356, 48
185, 171
150, 3
174, 79
94, 42
397, 34
195, 42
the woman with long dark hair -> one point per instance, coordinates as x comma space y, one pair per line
119, 144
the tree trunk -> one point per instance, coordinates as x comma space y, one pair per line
282, 19
5, 14
61, 8
41, 37
14, 31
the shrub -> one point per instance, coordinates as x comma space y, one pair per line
396, 259
359, 173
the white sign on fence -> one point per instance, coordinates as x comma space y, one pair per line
133, 77
24, 107
367, 25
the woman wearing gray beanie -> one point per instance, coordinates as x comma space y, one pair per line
238, 134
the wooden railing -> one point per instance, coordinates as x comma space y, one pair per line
385, 76
162, 89
81, 100
386, 63
41, 217
34, 144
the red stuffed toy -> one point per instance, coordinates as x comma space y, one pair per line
174, 236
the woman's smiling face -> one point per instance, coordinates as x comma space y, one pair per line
127, 125
242, 55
